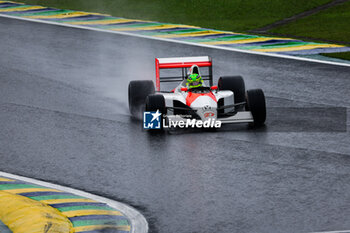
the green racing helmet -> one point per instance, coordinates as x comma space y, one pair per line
194, 80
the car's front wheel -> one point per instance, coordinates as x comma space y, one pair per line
257, 105
156, 103
236, 85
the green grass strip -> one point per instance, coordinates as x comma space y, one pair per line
45, 13
81, 223
84, 207
231, 15
17, 186
52, 197
331, 24
343, 55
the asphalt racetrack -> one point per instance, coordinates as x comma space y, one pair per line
64, 118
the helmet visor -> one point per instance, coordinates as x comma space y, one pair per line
194, 80
195, 83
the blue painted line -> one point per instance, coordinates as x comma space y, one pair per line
167, 33
60, 205
272, 42
165, 30
225, 37
8, 4
262, 43
30, 11
98, 217
121, 24
189, 38
12, 182
84, 17
315, 51
169, 29
37, 194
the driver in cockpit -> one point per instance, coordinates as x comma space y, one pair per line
194, 78
194, 81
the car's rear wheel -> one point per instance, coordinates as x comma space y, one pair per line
236, 85
137, 92
257, 105
155, 103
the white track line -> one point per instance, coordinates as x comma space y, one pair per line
177, 41
138, 221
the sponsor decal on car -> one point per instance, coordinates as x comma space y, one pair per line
208, 114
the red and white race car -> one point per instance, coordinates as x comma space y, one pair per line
228, 102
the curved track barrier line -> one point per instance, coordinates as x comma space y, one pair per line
84, 212
22, 214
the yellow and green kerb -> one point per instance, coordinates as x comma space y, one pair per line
187, 33
30, 208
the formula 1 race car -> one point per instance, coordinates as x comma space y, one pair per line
227, 102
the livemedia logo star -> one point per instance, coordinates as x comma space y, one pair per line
151, 120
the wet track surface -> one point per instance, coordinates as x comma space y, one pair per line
64, 118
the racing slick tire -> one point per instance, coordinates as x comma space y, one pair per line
257, 105
236, 85
138, 91
156, 102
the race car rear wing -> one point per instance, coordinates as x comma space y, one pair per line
183, 63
